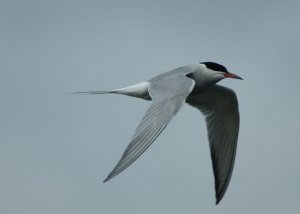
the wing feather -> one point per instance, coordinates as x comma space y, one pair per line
168, 94
220, 107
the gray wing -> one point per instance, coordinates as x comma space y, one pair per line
168, 95
220, 107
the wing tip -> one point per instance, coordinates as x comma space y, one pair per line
220, 193
110, 176
105, 180
218, 199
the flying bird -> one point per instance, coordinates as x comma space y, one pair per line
196, 85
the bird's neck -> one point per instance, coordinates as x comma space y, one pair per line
202, 82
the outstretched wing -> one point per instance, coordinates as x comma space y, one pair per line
220, 107
168, 94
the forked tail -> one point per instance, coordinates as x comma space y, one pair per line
139, 90
94, 92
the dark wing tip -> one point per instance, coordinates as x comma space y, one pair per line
220, 189
219, 197
110, 176
106, 179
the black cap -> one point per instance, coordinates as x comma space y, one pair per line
215, 66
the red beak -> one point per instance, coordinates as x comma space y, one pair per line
231, 75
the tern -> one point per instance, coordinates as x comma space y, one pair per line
196, 85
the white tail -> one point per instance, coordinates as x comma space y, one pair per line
139, 90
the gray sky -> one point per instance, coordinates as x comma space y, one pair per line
56, 148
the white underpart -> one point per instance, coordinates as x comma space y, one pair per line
139, 90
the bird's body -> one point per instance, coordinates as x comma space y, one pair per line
195, 85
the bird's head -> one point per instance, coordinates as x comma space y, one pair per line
217, 71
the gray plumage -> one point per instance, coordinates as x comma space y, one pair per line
195, 85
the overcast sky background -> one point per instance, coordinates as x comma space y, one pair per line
56, 148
